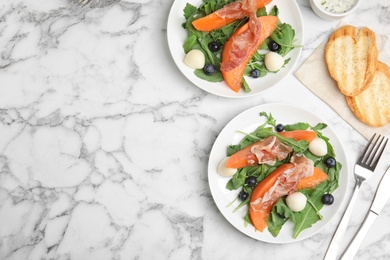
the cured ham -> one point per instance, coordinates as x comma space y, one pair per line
247, 40
285, 183
264, 151
269, 150
288, 182
232, 11
240, 9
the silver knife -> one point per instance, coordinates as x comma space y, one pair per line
382, 195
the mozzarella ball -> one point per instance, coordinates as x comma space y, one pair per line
273, 61
195, 59
318, 147
223, 171
296, 201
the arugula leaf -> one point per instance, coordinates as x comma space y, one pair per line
233, 148
334, 177
270, 119
212, 5
284, 35
297, 126
316, 159
264, 171
257, 57
265, 44
276, 222
189, 10
223, 34
286, 61
216, 77
247, 220
247, 140
261, 12
274, 11
190, 42
238, 179
245, 86
319, 126
242, 204
315, 208
210, 56
279, 215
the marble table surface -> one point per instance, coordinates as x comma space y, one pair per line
104, 144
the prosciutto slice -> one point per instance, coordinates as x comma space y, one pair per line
286, 183
270, 149
246, 40
233, 10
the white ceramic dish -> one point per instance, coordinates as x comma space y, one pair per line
327, 15
288, 12
248, 121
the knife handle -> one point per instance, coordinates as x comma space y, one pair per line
354, 245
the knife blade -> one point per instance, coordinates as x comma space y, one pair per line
382, 195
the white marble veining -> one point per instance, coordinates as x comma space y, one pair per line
104, 144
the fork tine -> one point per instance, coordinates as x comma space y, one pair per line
374, 150
379, 153
366, 150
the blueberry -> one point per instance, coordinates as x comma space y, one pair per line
251, 181
243, 195
214, 46
330, 162
328, 199
273, 46
209, 69
279, 128
255, 73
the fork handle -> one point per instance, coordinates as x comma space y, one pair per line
353, 247
333, 249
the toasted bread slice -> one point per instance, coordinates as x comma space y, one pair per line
372, 106
351, 56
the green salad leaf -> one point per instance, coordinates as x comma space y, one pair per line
297, 126
189, 10
270, 119
210, 6
280, 214
216, 77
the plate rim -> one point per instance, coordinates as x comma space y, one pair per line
231, 94
345, 171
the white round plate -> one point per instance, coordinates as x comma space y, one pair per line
247, 122
288, 13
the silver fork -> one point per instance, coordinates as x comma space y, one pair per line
364, 168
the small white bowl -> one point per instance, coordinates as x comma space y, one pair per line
327, 15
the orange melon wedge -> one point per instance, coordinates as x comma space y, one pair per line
214, 21
233, 77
